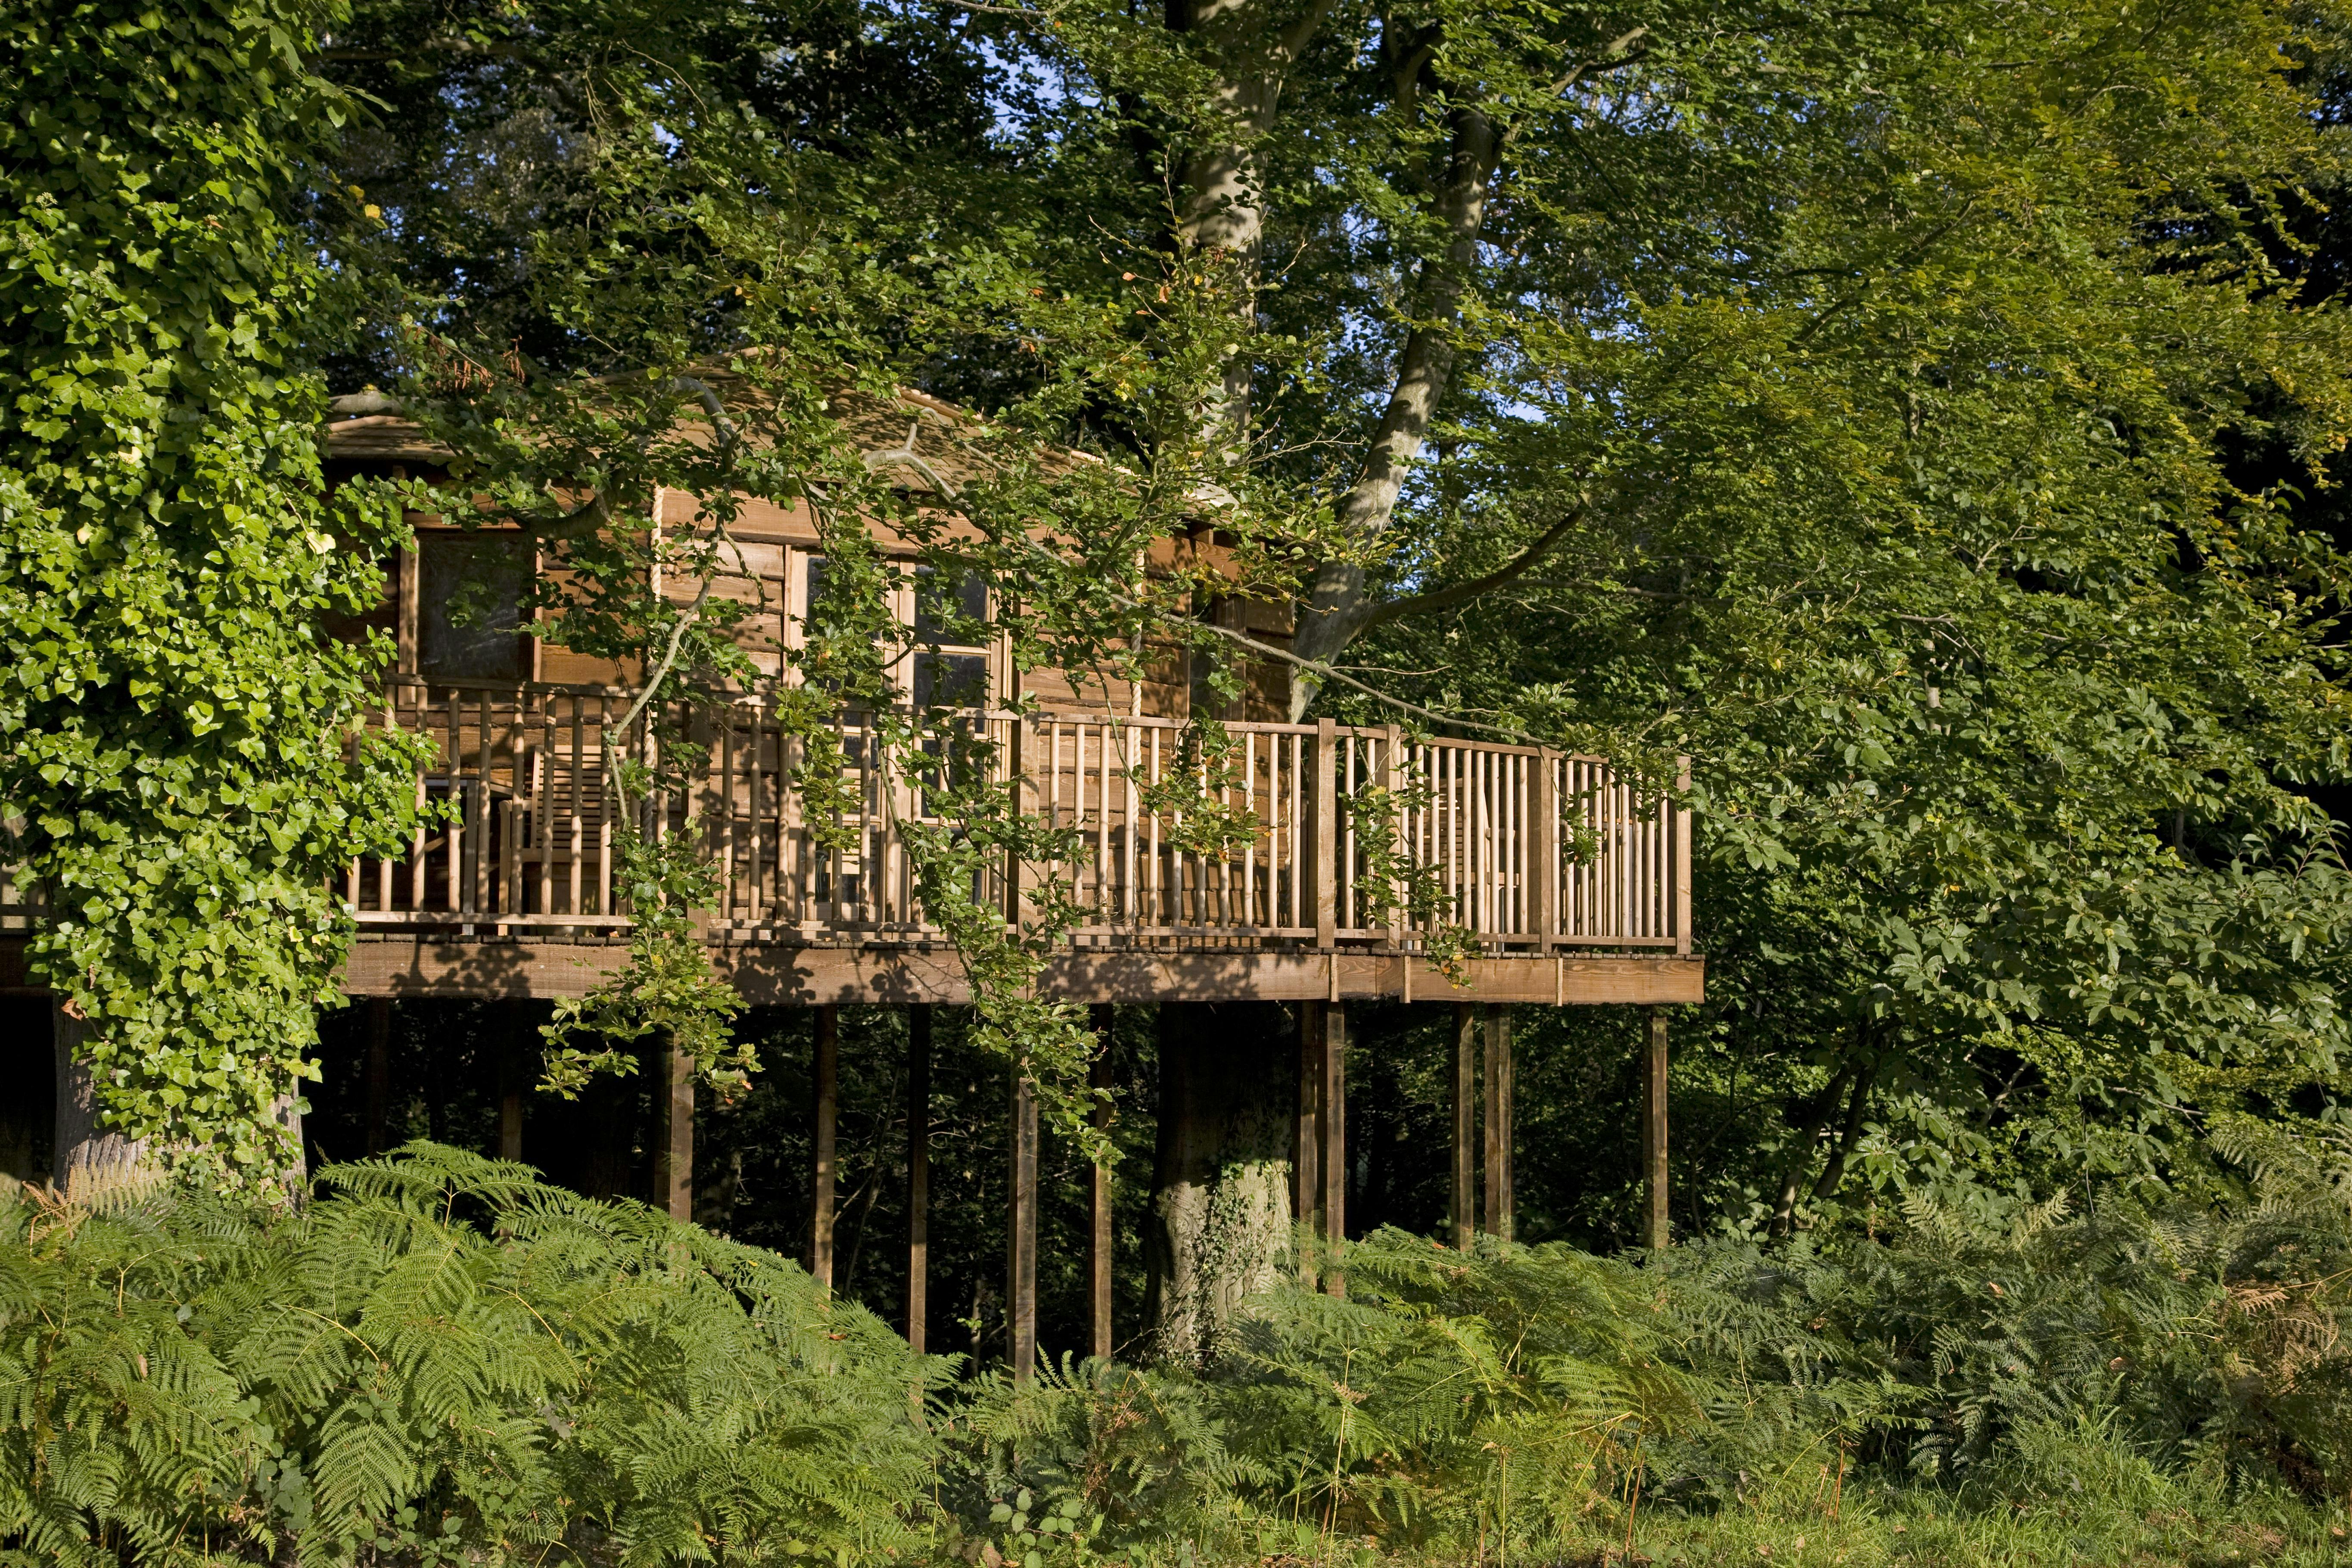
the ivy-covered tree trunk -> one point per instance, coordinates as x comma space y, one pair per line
177, 745
1219, 1230
88, 1159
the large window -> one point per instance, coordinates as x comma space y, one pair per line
470, 606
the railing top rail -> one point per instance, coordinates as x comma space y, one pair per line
518, 689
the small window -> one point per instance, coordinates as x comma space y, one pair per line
471, 589
816, 586
950, 615
951, 679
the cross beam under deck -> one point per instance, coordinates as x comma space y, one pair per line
777, 974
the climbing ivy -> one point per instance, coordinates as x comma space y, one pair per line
178, 761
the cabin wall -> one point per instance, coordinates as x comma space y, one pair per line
445, 629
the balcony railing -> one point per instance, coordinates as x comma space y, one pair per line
1529, 849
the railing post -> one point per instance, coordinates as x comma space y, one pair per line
1392, 782
1326, 835
1682, 860
1544, 858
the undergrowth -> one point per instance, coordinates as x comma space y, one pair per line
441, 1360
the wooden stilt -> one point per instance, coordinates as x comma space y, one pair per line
1500, 1219
673, 1167
1098, 1197
1465, 1131
1020, 1242
825, 1081
918, 1174
1332, 1108
510, 1084
1306, 1156
1655, 1232
379, 1074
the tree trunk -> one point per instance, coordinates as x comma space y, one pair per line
1220, 1226
1801, 1158
92, 1163
1221, 200
1335, 607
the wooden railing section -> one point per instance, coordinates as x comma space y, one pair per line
1530, 850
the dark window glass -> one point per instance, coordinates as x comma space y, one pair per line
816, 586
951, 679
470, 591
941, 616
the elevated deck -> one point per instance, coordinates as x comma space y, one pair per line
1576, 889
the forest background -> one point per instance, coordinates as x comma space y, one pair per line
1927, 418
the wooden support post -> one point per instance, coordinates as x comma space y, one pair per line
1333, 1110
379, 1073
1306, 1146
1655, 1233
918, 1174
1499, 1218
1020, 1242
1098, 1197
1465, 1130
511, 1085
824, 1083
673, 1168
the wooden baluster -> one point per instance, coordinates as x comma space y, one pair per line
1355, 757
1326, 835
1106, 897
1159, 891
722, 801
1298, 894
1544, 852
609, 802
576, 839
416, 841
1249, 845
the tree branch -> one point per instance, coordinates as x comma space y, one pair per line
1443, 598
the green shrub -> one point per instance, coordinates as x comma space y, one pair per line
446, 1360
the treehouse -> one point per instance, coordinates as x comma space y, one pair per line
1574, 882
